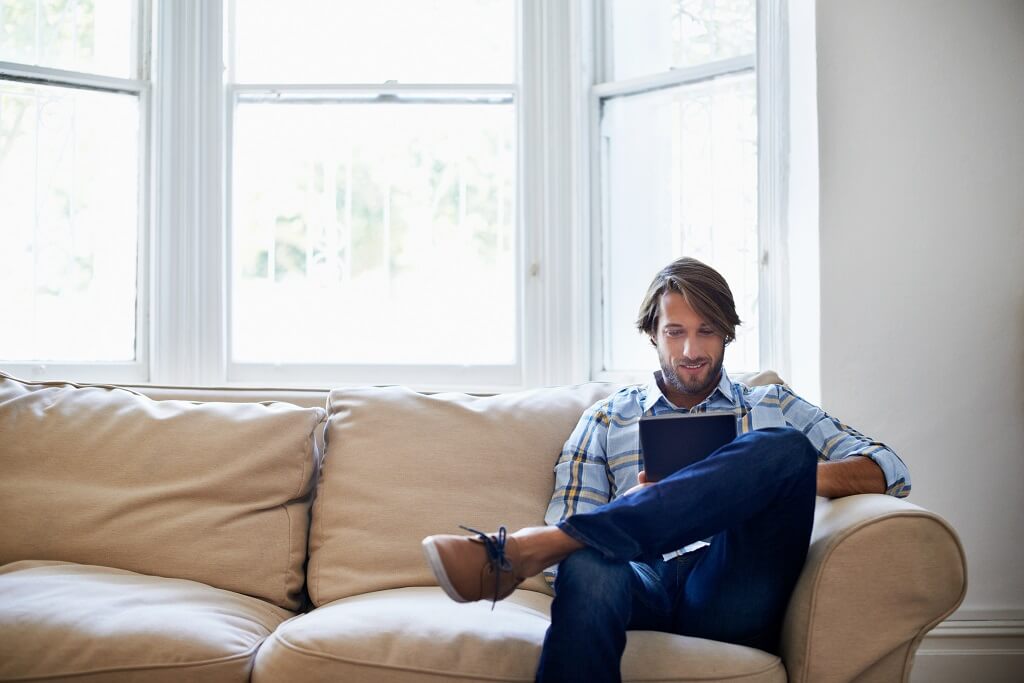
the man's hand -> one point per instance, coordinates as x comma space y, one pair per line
642, 478
854, 474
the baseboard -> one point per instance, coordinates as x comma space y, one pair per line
979, 651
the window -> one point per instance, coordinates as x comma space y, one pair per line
73, 99
373, 213
677, 148
464, 194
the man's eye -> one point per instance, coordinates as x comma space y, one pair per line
706, 332
673, 333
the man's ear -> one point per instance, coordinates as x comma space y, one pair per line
653, 343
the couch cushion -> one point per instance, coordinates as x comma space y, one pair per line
419, 635
213, 492
401, 465
84, 623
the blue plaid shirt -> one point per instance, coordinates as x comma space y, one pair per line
602, 457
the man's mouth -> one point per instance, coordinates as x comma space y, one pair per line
693, 366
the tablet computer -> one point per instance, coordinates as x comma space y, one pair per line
672, 441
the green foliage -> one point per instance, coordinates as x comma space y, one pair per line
13, 110
369, 204
289, 247
256, 265
713, 29
67, 29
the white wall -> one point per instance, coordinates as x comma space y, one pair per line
921, 121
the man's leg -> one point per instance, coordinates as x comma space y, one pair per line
769, 474
739, 588
757, 473
596, 601
759, 492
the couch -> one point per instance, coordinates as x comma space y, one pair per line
161, 534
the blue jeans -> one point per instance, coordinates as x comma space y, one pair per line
754, 497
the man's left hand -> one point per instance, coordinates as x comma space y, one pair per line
851, 475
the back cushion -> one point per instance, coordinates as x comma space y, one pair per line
214, 492
400, 466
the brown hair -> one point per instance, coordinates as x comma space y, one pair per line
704, 289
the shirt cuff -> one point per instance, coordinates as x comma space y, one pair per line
897, 476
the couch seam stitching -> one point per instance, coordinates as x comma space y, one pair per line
923, 631
288, 520
320, 495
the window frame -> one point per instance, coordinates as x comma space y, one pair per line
768, 65
191, 149
183, 275
140, 86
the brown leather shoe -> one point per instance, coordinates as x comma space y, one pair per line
481, 567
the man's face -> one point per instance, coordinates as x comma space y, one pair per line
689, 350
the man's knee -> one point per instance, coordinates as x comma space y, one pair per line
589, 575
787, 449
789, 438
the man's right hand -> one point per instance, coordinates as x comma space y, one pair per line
642, 478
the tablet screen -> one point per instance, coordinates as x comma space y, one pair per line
673, 441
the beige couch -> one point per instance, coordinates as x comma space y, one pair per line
222, 536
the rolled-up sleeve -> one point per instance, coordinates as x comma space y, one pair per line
835, 441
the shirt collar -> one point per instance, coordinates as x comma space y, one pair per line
654, 393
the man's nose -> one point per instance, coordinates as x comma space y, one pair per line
688, 347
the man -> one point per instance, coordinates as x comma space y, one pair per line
711, 551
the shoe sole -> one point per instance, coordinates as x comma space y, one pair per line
437, 566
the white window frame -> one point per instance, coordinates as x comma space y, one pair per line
183, 251
768, 64
435, 375
188, 272
140, 86
192, 271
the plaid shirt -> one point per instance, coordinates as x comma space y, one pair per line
602, 457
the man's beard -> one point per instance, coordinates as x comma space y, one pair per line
699, 387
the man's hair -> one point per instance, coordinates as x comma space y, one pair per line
704, 289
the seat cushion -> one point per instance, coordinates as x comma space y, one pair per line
85, 623
419, 635
213, 492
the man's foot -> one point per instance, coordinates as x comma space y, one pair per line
481, 567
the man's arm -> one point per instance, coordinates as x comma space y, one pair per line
851, 462
852, 475
581, 473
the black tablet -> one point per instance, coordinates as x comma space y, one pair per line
672, 441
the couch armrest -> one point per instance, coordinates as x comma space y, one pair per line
880, 573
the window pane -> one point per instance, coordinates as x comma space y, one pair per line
95, 36
374, 233
652, 36
681, 180
373, 41
68, 227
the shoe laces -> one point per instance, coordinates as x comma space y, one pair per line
495, 547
